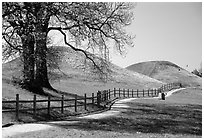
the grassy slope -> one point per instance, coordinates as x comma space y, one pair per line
167, 72
71, 76
74, 75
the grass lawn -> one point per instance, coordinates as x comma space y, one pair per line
141, 118
180, 115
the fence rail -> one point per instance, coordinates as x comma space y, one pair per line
98, 99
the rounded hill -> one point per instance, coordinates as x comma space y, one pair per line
166, 71
69, 71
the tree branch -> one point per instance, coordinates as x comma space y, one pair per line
111, 15
60, 28
11, 45
76, 49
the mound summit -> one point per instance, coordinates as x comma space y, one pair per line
166, 71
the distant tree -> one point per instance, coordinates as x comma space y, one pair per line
95, 24
200, 69
196, 72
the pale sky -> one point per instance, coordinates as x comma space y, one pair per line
166, 31
170, 31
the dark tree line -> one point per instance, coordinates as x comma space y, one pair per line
26, 26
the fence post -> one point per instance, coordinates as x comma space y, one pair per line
132, 92
137, 93
123, 92
98, 98
143, 92
119, 92
114, 92
148, 92
34, 105
109, 91
128, 92
48, 105
152, 92
101, 99
17, 106
106, 93
75, 103
85, 101
92, 98
62, 104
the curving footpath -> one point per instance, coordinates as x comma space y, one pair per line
24, 128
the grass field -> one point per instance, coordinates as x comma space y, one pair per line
180, 115
142, 118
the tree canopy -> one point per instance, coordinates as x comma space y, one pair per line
26, 26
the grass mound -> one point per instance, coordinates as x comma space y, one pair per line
166, 72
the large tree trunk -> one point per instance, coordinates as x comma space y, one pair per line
41, 76
43, 17
28, 60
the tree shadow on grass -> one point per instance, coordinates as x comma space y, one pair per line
184, 120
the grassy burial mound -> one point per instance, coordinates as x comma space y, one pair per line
70, 72
75, 70
166, 72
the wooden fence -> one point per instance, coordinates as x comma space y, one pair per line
98, 99
127, 93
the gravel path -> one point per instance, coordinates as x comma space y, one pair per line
62, 129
